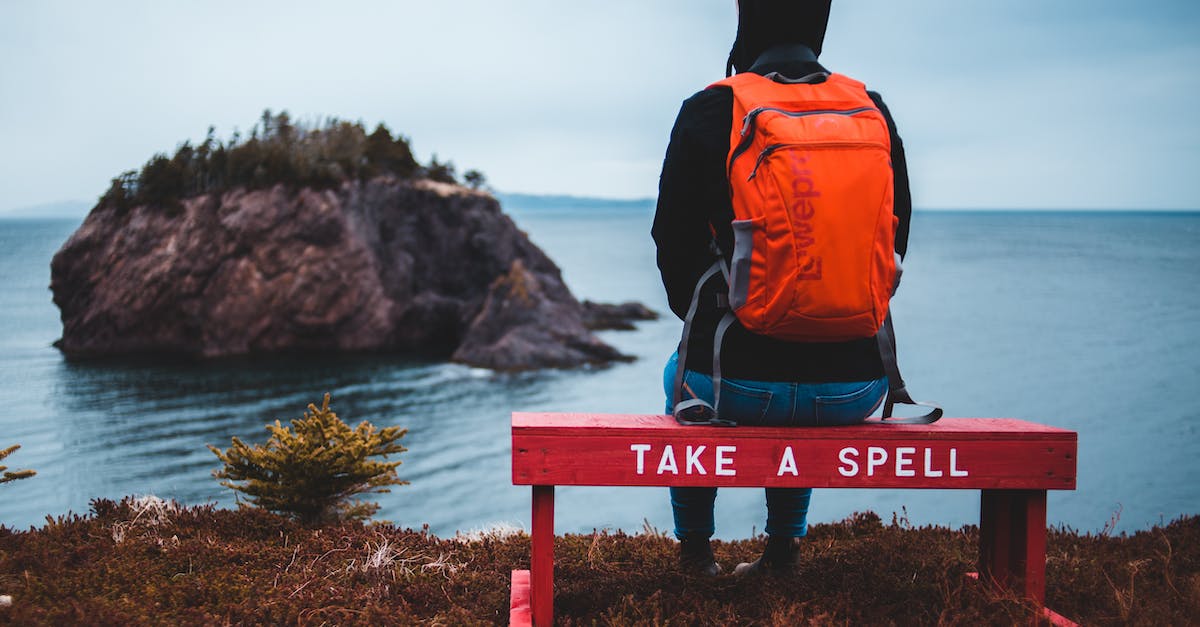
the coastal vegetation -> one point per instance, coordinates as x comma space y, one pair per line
302, 553
7, 475
314, 472
146, 561
278, 150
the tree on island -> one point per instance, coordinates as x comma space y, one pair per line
474, 179
440, 172
278, 151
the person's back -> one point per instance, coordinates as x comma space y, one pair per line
762, 379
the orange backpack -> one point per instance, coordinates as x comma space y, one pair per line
813, 259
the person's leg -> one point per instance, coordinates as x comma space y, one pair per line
765, 403
787, 522
693, 512
787, 508
787, 511
824, 404
692, 508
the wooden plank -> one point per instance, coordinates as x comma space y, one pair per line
725, 458
1031, 505
995, 537
541, 559
1012, 541
1056, 619
518, 602
633, 424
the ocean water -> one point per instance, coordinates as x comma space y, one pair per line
1087, 321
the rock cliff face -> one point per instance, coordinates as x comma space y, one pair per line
385, 265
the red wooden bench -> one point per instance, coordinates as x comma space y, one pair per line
1012, 462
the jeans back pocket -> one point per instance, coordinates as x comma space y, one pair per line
744, 405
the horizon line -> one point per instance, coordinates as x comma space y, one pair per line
80, 208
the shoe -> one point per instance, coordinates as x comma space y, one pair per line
781, 556
696, 557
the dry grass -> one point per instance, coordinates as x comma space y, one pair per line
148, 562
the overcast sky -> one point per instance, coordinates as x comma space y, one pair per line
1001, 103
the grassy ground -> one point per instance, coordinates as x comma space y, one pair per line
147, 562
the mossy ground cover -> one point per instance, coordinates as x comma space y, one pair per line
148, 562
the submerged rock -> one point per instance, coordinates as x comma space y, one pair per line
383, 265
619, 316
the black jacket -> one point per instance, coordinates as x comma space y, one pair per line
694, 193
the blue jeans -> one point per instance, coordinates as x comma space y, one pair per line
773, 404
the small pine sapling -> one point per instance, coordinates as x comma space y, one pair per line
312, 469
5, 474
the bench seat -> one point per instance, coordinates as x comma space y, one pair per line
1012, 462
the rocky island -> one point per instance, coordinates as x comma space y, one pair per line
316, 239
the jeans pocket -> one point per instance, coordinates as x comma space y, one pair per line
851, 406
743, 404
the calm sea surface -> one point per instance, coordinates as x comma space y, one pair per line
1087, 321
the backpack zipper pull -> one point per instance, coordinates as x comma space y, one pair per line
750, 115
762, 156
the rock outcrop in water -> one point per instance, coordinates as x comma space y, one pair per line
387, 264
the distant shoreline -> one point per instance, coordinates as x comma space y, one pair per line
522, 202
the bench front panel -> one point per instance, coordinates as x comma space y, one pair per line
599, 449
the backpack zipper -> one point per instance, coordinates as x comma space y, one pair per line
766, 152
751, 120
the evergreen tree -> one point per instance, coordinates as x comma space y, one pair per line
388, 156
474, 179
312, 469
161, 182
441, 172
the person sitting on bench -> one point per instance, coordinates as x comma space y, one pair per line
763, 380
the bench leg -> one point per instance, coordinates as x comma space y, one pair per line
1012, 541
541, 559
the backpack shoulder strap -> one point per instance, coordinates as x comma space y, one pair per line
697, 411
896, 391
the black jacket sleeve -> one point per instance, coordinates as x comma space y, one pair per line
692, 191
903, 195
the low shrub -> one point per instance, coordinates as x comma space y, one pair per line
312, 469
